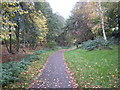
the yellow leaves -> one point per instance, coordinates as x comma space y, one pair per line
12, 15
11, 9
23, 12
4, 23
10, 3
12, 24
9, 23
96, 28
113, 75
46, 32
5, 18
46, 29
41, 37
2, 36
10, 32
40, 21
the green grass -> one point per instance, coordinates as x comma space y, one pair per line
27, 76
98, 68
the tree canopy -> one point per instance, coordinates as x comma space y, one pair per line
31, 23
87, 23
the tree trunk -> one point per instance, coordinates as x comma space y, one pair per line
102, 21
17, 33
17, 38
10, 36
6, 45
23, 28
24, 38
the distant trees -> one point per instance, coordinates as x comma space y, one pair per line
54, 21
92, 19
34, 23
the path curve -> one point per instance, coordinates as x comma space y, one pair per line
54, 74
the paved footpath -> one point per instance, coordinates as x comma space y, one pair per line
54, 75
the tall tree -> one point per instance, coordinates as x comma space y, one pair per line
54, 21
8, 13
102, 20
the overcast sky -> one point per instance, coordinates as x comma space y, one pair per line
63, 7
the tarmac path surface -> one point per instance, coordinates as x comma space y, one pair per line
54, 74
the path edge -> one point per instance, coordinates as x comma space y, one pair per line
41, 70
69, 72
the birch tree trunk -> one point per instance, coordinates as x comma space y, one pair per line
102, 20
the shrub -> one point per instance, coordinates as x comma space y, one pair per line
41, 51
11, 70
114, 41
10, 73
52, 44
98, 43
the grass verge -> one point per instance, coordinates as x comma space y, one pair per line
97, 68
